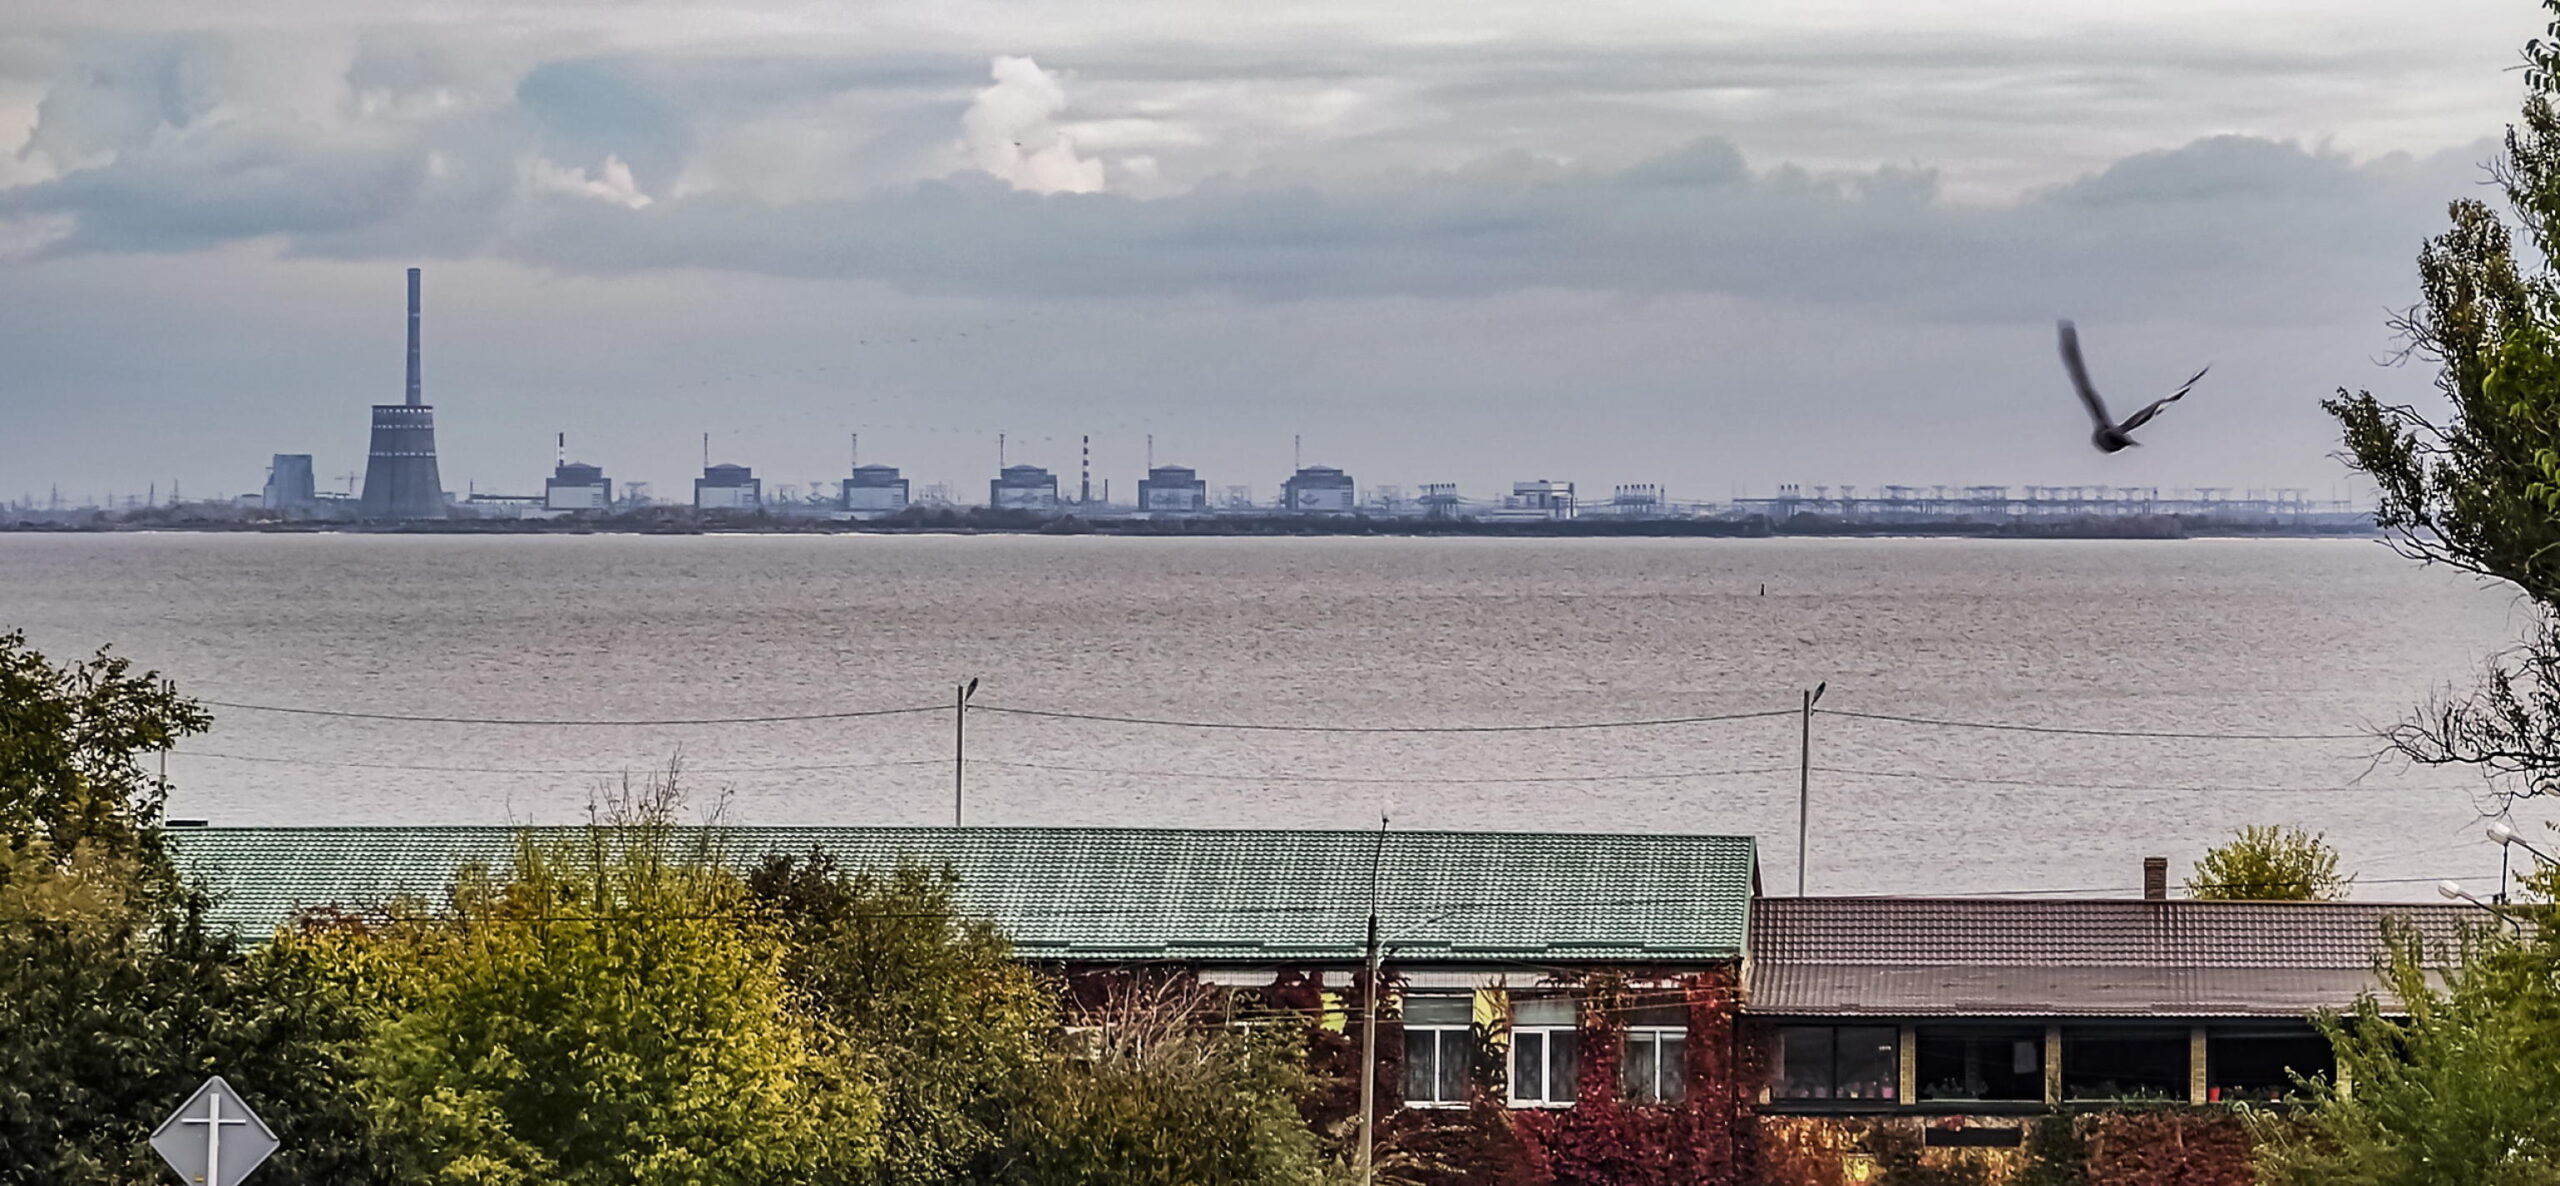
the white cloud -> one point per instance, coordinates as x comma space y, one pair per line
1011, 132
611, 181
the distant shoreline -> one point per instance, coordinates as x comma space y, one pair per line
2164, 527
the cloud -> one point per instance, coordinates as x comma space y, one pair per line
1011, 132
611, 182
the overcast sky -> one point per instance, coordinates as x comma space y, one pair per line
1711, 246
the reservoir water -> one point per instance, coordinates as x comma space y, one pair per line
2291, 637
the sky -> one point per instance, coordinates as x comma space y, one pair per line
1711, 247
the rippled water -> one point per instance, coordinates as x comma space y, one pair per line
2193, 636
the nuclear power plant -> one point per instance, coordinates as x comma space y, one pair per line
400, 478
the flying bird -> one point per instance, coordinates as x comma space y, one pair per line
2109, 436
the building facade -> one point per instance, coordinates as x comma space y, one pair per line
290, 488
728, 488
1023, 488
1319, 490
1173, 490
873, 490
577, 486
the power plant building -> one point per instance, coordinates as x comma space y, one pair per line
1319, 490
290, 487
1023, 488
1173, 490
400, 478
875, 490
728, 488
577, 486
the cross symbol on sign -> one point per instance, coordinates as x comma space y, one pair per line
192, 1140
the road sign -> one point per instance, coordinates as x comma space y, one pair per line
213, 1139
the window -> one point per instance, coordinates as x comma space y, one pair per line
2124, 1064
1859, 1063
2257, 1062
1437, 1042
1546, 1052
1979, 1062
1655, 1069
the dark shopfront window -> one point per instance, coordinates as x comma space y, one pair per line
1838, 1063
2252, 1062
1980, 1062
2111, 1063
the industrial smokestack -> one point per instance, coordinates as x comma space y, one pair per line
560, 452
417, 393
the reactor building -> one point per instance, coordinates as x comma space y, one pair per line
1023, 488
1318, 490
400, 479
1173, 490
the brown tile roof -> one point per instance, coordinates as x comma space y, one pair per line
2120, 957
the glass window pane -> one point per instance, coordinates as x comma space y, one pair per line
1804, 1062
1453, 1066
1564, 1066
1444, 1009
1636, 1073
1529, 1065
1867, 1061
1674, 1068
1542, 1011
1659, 1011
2124, 1064
1980, 1062
1421, 1065
2258, 1063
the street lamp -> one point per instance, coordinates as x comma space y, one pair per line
1804, 784
2505, 834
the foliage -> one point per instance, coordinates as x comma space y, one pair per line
1900, 1156
1154, 1095
2056, 1152
2270, 864
115, 1002
2173, 1146
2480, 490
71, 741
2462, 1091
614, 1012
932, 1003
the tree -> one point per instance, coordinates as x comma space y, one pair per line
615, 1010
2480, 489
931, 1002
116, 999
71, 742
2454, 1087
1154, 1094
2269, 864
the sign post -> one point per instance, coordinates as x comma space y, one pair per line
213, 1139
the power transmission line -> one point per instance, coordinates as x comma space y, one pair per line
2078, 732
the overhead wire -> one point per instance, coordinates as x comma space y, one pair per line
2076, 731
576, 722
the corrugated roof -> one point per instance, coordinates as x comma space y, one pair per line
2118, 957
1133, 893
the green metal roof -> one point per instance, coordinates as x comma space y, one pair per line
1131, 893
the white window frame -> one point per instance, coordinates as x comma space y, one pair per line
1676, 1070
1442, 1047
1546, 1035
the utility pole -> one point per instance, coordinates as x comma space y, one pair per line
960, 750
1804, 785
1369, 1023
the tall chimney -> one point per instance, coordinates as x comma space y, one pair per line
417, 394
2155, 879
1084, 489
560, 452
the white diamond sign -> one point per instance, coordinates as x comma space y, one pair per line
213, 1138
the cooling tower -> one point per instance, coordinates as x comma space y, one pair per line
400, 479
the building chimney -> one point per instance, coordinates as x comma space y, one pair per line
2155, 879
417, 392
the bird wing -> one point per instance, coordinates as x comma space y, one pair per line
2144, 416
2080, 373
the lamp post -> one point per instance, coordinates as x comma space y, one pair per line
1804, 784
960, 749
2453, 890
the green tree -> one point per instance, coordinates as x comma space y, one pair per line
930, 1001
2270, 864
615, 1011
2478, 489
2452, 1087
1154, 1093
116, 1000
72, 740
